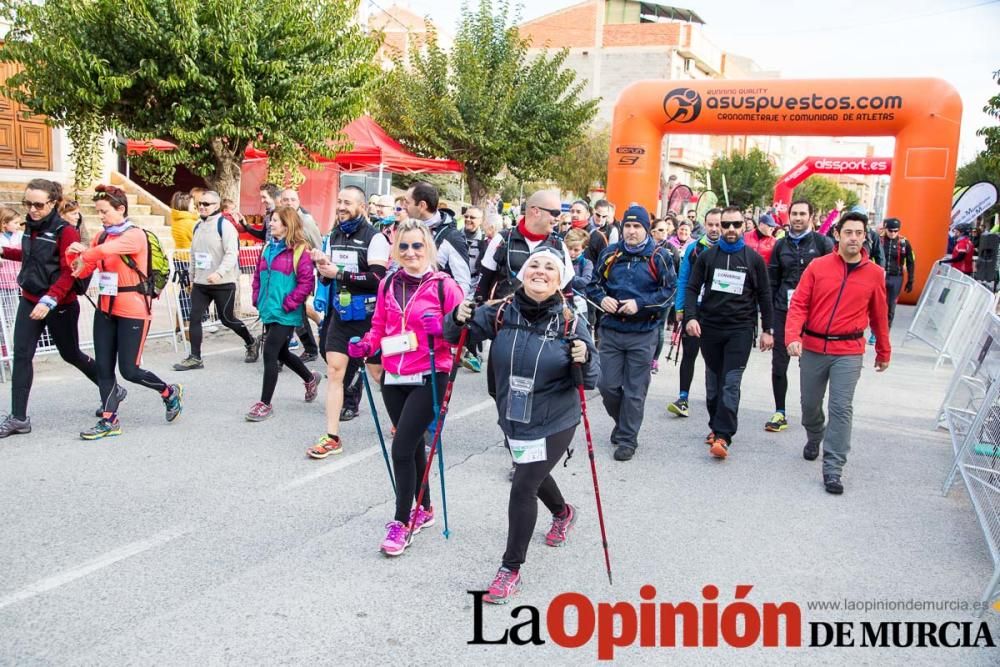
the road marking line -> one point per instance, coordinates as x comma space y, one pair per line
99, 563
351, 459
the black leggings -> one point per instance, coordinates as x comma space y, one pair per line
411, 410
120, 339
533, 482
62, 325
275, 350
689, 345
224, 297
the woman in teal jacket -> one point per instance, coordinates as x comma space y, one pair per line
283, 280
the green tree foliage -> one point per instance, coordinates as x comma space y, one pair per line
750, 178
824, 193
484, 103
584, 164
992, 132
211, 76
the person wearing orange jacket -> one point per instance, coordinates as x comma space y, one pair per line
124, 312
838, 297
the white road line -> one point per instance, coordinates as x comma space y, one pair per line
99, 563
351, 459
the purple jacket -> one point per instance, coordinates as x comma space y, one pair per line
280, 286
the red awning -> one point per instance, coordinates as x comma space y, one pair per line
373, 149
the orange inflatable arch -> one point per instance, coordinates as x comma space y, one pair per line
924, 116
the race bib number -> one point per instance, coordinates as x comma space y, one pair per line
730, 282
107, 283
392, 378
346, 259
203, 261
527, 451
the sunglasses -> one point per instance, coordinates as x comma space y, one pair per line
208, 203
732, 224
398, 209
554, 212
37, 205
403, 247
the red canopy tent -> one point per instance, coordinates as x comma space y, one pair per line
372, 150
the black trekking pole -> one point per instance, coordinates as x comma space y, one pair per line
442, 413
434, 399
378, 427
578, 379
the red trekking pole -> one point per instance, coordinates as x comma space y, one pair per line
445, 400
578, 379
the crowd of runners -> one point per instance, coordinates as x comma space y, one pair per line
552, 305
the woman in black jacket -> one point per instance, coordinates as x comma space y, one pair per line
536, 339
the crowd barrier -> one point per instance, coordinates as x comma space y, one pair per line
962, 325
170, 311
950, 313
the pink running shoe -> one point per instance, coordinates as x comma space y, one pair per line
312, 387
259, 412
654, 366
556, 537
425, 518
396, 539
504, 586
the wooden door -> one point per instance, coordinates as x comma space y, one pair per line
25, 141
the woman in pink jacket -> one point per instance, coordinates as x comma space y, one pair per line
409, 309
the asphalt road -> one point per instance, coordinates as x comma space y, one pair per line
216, 541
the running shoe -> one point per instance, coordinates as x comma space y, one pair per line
811, 451
710, 437
505, 585
624, 453
719, 448
472, 362
833, 484
312, 387
346, 414
11, 425
397, 538
189, 364
173, 402
253, 351
308, 357
103, 429
122, 393
871, 339
325, 445
424, 519
679, 407
556, 537
778, 423
294, 343
259, 412
654, 366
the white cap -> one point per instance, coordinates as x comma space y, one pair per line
556, 256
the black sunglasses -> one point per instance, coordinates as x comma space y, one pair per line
207, 203
732, 224
554, 212
403, 247
37, 205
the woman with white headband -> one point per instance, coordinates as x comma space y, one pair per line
536, 340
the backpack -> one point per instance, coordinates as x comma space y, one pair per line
156, 261
613, 257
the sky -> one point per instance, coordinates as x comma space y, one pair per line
956, 40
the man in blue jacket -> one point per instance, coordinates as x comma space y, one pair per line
634, 284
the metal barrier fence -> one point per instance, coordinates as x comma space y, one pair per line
971, 412
950, 313
164, 324
180, 261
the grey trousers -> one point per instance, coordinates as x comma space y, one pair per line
841, 373
624, 380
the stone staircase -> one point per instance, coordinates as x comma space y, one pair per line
144, 209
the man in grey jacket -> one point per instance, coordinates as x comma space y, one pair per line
214, 272
290, 197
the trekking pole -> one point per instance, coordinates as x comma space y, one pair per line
445, 400
378, 427
578, 379
434, 399
595, 305
675, 341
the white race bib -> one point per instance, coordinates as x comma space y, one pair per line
347, 259
527, 451
730, 282
790, 293
203, 261
107, 283
392, 378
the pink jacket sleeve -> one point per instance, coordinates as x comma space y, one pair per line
305, 281
374, 336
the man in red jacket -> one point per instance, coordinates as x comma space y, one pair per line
839, 295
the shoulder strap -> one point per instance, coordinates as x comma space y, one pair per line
498, 320
296, 256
